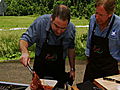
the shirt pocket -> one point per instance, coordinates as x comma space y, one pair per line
113, 42
40, 42
67, 43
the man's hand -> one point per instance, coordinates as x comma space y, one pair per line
72, 74
25, 59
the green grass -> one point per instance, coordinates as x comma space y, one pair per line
7, 22
78, 21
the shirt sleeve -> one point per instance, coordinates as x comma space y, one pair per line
31, 34
87, 50
91, 26
72, 37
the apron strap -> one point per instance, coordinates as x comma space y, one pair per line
93, 31
110, 26
47, 34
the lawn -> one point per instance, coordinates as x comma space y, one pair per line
7, 22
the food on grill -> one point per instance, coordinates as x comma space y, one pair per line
36, 83
41, 84
47, 87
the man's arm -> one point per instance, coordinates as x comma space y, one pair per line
71, 56
24, 59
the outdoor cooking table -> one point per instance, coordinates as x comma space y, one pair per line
19, 86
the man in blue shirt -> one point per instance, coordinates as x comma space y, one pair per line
103, 43
54, 36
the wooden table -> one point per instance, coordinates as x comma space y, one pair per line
108, 85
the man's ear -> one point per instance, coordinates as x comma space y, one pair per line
110, 15
51, 18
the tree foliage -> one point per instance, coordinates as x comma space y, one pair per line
79, 8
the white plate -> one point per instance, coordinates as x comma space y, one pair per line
48, 82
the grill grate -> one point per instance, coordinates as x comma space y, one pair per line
12, 86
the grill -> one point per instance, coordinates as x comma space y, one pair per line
12, 86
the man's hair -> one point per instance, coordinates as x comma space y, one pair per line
109, 5
61, 11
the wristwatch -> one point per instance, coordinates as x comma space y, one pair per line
72, 69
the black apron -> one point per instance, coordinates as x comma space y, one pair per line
100, 62
50, 63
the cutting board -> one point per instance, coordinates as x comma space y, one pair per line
109, 85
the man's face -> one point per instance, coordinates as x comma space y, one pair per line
101, 15
59, 26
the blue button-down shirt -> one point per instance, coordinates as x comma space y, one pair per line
37, 31
114, 36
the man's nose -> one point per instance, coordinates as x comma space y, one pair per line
59, 31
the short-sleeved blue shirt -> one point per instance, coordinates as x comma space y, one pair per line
114, 36
37, 31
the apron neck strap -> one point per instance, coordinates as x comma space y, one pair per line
94, 28
47, 34
110, 26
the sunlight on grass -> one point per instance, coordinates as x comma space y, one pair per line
7, 22
78, 21
81, 30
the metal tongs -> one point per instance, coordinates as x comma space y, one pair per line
30, 69
33, 73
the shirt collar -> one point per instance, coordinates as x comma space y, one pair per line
111, 19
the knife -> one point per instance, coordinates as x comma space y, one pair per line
111, 79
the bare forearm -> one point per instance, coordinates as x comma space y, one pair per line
24, 59
23, 46
71, 56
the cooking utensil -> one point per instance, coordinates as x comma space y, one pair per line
30, 69
44, 82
